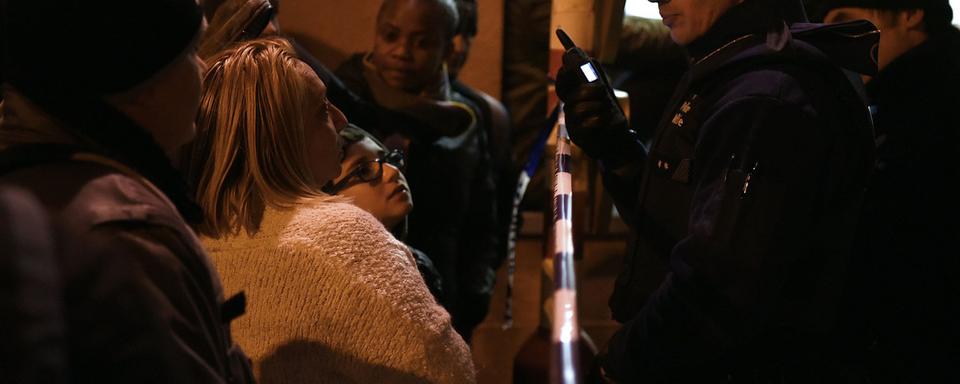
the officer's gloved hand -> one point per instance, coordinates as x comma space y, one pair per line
594, 118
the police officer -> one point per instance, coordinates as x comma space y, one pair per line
909, 230
746, 200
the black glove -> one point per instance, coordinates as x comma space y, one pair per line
594, 119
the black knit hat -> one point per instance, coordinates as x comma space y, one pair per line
100, 46
65, 55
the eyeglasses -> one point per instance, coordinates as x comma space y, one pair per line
368, 170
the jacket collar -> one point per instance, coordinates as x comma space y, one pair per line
91, 125
745, 31
754, 29
747, 18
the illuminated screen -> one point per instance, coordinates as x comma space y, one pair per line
589, 72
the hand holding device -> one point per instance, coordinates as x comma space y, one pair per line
594, 119
589, 71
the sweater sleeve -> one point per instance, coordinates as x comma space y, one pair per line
370, 304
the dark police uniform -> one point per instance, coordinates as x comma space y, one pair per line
747, 206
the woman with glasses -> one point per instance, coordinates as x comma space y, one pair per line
372, 178
334, 298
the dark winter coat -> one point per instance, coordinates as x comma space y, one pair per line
745, 210
493, 118
32, 339
909, 237
140, 300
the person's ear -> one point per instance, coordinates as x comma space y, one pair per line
448, 50
912, 19
458, 43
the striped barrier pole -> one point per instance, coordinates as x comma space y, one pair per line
523, 181
565, 367
578, 18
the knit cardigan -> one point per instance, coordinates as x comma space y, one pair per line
334, 298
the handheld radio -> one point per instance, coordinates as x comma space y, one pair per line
590, 73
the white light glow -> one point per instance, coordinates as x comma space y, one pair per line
955, 4
644, 9
648, 10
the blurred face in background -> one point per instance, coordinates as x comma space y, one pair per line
900, 31
690, 19
388, 197
412, 41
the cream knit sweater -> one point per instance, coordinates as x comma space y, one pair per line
334, 298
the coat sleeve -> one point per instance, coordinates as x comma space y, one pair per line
32, 347
754, 203
146, 313
623, 185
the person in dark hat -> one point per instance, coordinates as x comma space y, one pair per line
744, 204
98, 97
909, 231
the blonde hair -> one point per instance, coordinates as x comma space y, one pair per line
250, 147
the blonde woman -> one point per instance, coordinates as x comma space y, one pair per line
334, 298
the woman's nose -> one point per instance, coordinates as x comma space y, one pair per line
390, 172
339, 119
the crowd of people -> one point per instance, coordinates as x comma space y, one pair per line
188, 195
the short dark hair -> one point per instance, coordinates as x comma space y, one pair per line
937, 14
467, 10
447, 7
